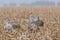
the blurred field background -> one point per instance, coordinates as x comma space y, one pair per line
50, 16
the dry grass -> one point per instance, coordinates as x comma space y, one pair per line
51, 31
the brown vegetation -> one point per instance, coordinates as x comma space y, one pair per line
50, 16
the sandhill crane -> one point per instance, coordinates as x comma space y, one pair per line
31, 20
35, 20
10, 26
29, 25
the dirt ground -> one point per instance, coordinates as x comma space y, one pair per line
49, 15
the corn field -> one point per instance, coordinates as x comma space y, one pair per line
49, 15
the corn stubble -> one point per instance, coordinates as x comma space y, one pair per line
50, 16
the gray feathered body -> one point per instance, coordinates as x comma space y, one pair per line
16, 26
39, 23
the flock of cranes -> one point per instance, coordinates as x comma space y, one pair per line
33, 20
